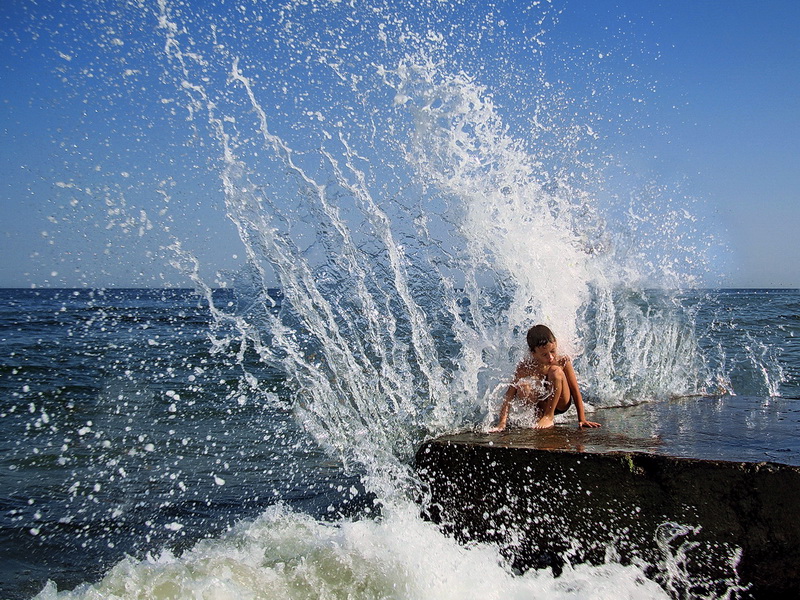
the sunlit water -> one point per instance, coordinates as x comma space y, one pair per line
411, 190
125, 434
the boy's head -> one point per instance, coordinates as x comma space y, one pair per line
538, 336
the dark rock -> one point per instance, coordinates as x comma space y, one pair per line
567, 496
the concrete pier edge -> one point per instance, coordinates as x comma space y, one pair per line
700, 526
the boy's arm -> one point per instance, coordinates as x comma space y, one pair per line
575, 392
501, 422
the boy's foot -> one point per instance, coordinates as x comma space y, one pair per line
544, 423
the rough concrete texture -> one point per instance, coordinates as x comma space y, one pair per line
546, 500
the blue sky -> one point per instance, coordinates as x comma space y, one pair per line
99, 174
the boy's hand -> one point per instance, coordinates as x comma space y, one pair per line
590, 424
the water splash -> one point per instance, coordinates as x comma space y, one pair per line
415, 233
676, 546
287, 555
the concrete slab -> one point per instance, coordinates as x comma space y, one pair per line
691, 489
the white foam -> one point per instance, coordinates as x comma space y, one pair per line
288, 555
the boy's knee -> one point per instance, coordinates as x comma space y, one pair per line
556, 373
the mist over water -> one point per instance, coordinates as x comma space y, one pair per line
412, 185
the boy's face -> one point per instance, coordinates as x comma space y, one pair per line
545, 355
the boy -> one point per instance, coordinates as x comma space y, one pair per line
544, 381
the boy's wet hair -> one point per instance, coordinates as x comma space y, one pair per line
539, 335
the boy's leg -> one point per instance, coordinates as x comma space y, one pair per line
558, 400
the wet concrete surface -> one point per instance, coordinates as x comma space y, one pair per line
705, 492
737, 428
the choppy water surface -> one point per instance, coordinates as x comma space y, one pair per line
125, 434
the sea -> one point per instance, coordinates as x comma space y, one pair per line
138, 461
364, 205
